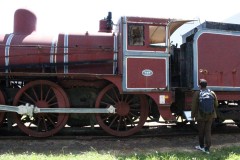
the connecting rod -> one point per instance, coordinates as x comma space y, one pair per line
29, 109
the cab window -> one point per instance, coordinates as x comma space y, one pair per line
157, 36
136, 35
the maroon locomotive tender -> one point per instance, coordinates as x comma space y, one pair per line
115, 80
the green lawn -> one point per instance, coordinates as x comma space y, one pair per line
229, 153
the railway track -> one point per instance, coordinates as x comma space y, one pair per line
147, 132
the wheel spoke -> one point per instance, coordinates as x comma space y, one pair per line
115, 94
134, 105
125, 124
47, 94
126, 99
107, 117
24, 102
130, 101
135, 110
52, 104
133, 115
41, 91
29, 97
109, 97
52, 98
106, 103
45, 124
119, 123
110, 125
35, 94
50, 119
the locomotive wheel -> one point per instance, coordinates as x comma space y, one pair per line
131, 112
43, 94
2, 114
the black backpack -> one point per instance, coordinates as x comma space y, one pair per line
206, 101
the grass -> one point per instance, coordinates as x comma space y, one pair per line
227, 153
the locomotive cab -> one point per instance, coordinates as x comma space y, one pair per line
144, 52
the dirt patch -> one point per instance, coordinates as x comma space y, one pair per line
116, 146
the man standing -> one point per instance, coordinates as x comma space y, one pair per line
204, 105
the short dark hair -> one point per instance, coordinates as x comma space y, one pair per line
203, 83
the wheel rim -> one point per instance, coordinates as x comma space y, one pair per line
2, 114
44, 94
131, 112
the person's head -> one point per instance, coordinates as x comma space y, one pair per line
202, 83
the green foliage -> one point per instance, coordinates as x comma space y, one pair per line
229, 153
33, 156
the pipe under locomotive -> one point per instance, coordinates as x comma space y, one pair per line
115, 80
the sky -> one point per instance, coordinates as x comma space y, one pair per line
70, 16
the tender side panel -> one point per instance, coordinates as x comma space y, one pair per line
218, 59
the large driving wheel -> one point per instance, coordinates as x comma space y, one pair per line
2, 114
131, 112
43, 94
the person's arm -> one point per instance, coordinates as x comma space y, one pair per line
194, 104
215, 100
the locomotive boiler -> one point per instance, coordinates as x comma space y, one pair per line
118, 80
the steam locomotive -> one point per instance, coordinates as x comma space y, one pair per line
116, 80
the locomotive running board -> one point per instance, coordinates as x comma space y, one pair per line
29, 110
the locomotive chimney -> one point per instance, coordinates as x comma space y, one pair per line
24, 22
105, 25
